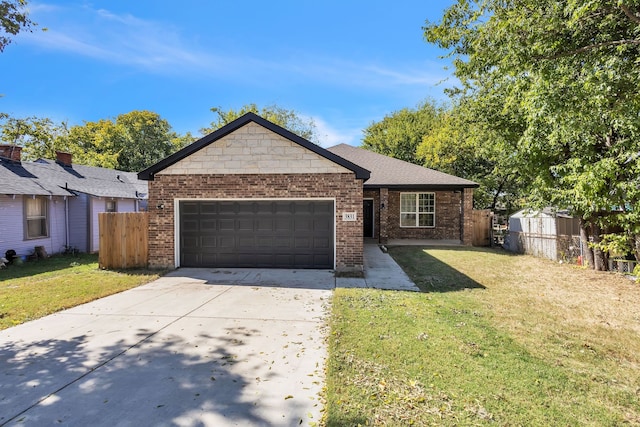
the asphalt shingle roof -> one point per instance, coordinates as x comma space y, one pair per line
389, 172
46, 177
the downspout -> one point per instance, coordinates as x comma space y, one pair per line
66, 220
89, 221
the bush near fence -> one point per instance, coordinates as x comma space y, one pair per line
123, 240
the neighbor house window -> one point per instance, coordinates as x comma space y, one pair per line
111, 206
417, 209
36, 217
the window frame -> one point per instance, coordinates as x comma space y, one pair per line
43, 216
115, 206
417, 212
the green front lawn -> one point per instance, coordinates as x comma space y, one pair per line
494, 339
37, 288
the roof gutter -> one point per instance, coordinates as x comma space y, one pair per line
421, 186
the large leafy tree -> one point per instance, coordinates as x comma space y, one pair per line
14, 18
400, 133
95, 143
288, 119
131, 142
40, 137
571, 70
143, 139
461, 145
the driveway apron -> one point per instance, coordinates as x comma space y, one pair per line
194, 348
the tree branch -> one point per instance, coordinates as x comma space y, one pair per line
591, 47
627, 11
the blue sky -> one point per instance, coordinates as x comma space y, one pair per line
343, 63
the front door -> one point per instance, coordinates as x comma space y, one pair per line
367, 217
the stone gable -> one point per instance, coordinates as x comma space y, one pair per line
253, 149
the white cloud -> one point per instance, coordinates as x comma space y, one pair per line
107, 37
329, 136
160, 48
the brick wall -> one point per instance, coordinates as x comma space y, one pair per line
448, 222
11, 152
346, 190
468, 217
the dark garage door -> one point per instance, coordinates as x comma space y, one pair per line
269, 234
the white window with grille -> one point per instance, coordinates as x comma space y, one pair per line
417, 210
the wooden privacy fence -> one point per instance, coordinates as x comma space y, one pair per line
123, 239
482, 226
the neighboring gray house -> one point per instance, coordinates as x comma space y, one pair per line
56, 203
549, 233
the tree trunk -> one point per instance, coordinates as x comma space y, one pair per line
587, 253
494, 202
598, 255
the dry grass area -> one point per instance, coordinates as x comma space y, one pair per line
493, 339
572, 308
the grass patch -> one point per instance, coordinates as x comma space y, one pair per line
35, 289
493, 339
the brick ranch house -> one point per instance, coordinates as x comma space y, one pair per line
252, 194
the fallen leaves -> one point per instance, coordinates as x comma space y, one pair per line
401, 401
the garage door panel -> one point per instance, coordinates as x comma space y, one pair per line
324, 209
283, 224
319, 242
283, 259
226, 242
303, 208
208, 208
260, 259
264, 224
264, 209
303, 242
208, 242
189, 208
245, 208
321, 259
245, 224
190, 225
264, 242
225, 259
227, 224
226, 207
267, 234
246, 242
322, 225
303, 224
208, 225
190, 241
282, 242
282, 208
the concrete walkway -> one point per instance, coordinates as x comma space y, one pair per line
380, 272
186, 350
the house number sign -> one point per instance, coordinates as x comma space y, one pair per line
349, 216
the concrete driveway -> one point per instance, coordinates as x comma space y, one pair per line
194, 348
